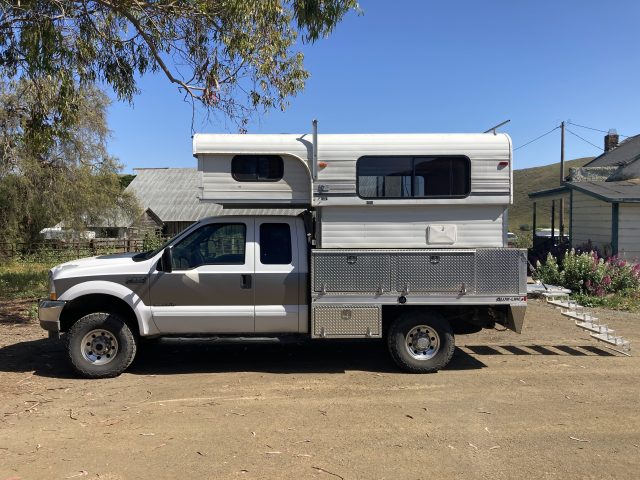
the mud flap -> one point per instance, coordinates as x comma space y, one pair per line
515, 317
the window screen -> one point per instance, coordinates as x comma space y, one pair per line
214, 244
416, 177
275, 244
384, 177
257, 168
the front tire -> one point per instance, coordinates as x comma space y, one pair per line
421, 342
101, 345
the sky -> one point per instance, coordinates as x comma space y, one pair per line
434, 66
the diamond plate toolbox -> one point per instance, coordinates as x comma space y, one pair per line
346, 321
501, 271
482, 271
435, 271
351, 271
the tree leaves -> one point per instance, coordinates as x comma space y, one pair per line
216, 52
53, 170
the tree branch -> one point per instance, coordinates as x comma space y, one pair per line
154, 51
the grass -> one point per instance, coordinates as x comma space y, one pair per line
19, 280
529, 180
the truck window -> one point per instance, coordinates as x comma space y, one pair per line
213, 244
275, 244
257, 168
445, 176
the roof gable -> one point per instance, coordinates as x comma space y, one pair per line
626, 152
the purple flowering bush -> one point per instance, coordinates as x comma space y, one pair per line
589, 274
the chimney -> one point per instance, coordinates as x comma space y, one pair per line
611, 140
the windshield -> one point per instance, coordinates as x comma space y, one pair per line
140, 257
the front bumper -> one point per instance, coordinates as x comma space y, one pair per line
49, 314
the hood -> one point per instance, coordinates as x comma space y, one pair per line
101, 264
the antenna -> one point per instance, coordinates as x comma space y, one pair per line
314, 165
493, 129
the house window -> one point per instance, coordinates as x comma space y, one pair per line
275, 244
414, 177
257, 168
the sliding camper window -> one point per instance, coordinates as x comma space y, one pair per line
414, 177
257, 168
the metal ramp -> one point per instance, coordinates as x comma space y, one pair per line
585, 319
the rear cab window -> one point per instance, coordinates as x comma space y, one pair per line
275, 244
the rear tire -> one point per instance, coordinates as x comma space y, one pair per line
101, 345
421, 342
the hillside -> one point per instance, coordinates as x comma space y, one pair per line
529, 180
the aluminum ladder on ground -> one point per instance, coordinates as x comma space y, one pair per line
585, 319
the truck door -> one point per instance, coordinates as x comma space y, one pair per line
278, 276
211, 287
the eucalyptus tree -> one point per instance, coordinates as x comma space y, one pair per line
53, 171
233, 57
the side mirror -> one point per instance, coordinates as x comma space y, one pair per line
167, 260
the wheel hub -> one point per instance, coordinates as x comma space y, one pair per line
422, 342
99, 347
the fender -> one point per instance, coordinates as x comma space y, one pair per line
142, 312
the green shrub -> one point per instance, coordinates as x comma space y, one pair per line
524, 240
589, 274
549, 271
152, 241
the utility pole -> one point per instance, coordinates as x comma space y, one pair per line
561, 153
561, 209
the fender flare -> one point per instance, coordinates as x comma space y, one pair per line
141, 311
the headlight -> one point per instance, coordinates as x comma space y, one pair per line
52, 287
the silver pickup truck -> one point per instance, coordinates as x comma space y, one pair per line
260, 276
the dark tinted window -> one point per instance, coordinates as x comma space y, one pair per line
275, 244
441, 177
257, 168
417, 177
214, 244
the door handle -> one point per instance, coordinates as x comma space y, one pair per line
246, 281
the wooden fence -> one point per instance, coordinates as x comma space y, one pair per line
60, 250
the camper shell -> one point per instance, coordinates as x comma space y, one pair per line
359, 207
396, 236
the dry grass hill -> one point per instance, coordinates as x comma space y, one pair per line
529, 180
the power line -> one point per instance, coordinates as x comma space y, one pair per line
594, 129
536, 139
584, 139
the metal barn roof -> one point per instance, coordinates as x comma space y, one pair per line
171, 193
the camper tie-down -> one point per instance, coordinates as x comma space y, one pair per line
395, 236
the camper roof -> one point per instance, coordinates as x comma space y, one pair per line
210, 143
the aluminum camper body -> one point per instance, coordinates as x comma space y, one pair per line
349, 218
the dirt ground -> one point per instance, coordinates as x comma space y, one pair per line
549, 403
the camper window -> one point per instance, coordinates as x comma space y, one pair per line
257, 168
417, 177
